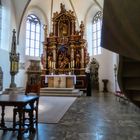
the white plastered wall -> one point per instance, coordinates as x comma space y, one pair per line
22, 38
106, 60
8, 24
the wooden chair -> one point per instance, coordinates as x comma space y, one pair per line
30, 90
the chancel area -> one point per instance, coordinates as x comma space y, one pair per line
65, 53
69, 64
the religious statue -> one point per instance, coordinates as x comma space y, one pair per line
78, 60
82, 29
63, 29
50, 60
63, 60
62, 6
60, 59
45, 31
51, 34
43, 61
94, 66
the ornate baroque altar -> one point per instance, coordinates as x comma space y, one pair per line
65, 50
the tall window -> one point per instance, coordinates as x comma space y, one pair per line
96, 33
33, 30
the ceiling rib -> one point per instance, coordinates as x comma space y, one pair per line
26, 5
98, 4
88, 11
74, 11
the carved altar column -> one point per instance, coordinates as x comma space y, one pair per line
54, 56
43, 58
73, 27
82, 55
53, 46
54, 28
72, 55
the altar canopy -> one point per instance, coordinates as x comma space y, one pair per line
121, 27
65, 49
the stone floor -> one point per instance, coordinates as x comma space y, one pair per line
100, 117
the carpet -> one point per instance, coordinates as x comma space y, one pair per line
51, 109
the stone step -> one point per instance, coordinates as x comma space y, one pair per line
60, 92
56, 89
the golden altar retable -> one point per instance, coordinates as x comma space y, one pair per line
65, 49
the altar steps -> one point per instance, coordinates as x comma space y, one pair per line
60, 92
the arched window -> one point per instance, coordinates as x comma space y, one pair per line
96, 33
33, 30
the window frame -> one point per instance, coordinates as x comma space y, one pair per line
96, 33
33, 44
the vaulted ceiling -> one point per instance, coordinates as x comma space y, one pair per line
48, 7
80, 7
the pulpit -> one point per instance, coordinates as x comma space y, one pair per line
65, 49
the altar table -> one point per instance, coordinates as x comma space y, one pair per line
60, 81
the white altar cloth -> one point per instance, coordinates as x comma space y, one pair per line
62, 75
